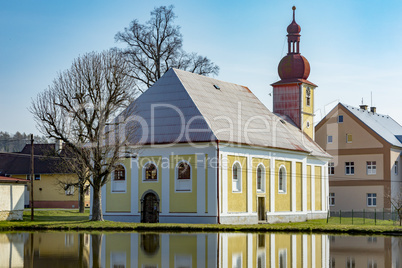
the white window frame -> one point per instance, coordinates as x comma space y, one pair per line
350, 166
372, 197
119, 186
144, 167
371, 167
331, 199
237, 258
70, 190
183, 185
350, 262
284, 180
396, 167
347, 138
329, 139
237, 184
331, 168
262, 189
283, 256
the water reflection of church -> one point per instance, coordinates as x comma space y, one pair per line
164, 250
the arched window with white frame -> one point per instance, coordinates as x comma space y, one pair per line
236, 177
150, 172
119, 179
282, 179
183, 177
260, 178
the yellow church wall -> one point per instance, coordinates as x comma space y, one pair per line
309, 252
318, 250
144, 185
237, 246
255, 163
308, 111
117, 243
183, 201
283, 243
308, 187
182, 245
237, 201
318, 181
283, 200
120, 201
299, 250
299, 186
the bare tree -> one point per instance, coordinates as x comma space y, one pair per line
76, 107
156, 46
396, 203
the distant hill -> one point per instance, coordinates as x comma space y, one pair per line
15, 142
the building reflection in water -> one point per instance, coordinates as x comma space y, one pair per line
366, 251
148, 250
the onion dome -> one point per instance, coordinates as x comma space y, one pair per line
294, 28
294, 65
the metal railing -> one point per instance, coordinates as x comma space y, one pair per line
358, 217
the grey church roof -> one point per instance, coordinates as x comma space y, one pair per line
383, 125
208, 109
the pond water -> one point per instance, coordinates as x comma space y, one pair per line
160, 250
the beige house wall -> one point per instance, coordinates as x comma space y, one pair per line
355, 197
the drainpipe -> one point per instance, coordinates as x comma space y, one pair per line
217, 177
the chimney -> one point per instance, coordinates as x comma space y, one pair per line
58, 146
363, 107
373, 109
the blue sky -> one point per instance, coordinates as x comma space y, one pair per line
354, 47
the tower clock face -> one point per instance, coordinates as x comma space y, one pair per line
308, 92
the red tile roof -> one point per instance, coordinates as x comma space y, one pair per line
12, 180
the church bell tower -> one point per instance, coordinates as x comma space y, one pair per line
293, 95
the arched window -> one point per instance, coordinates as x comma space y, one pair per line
119, 173
151, 172
236, 180
282, 180
183, 177
119, 179
260, 178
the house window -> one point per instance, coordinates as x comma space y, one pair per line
350, 262
151, 172
340, 118
329, 139
396, 168
371, 168
260, 178
119, 179
331, 168
332, 199
283, 258
372, 200
349, 168
282, 180
371, 263
236, 180
348, 138
237, 260
37, 177
69, 189
183, 175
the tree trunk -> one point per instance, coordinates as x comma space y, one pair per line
97, 204
81, 199
96, 250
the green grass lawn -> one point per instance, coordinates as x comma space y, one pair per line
72, 220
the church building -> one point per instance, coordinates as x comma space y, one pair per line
211, 152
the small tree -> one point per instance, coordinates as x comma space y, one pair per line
77, 106
396, 203
156, 46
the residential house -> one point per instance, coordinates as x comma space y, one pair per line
11, 198
49, 172
366, 168
211, 152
